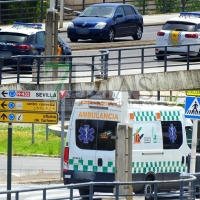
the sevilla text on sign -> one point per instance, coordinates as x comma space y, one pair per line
37, 95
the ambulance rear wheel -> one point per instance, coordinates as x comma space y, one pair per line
148, 189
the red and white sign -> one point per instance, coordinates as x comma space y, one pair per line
63, 94
23, 94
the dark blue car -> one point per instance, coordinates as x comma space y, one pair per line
26, 39
105, 21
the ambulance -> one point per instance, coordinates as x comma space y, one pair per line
159, 143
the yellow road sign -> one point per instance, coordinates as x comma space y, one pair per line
193, 92
39, 106
24, 117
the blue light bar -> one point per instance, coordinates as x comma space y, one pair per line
189, 14
27, 25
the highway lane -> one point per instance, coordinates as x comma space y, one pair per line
149, 33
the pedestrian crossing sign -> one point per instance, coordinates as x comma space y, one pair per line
192, 107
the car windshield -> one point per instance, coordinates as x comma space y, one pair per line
13, 37
97, 11
179, 26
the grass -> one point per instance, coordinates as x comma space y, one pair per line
22, 140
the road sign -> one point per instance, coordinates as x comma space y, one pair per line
192, 107
32, 94
193, 93
37, 106
24, 117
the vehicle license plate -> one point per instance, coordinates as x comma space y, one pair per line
175, 38
82, 31
5, 54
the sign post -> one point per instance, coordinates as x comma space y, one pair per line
192, 111
9, 160
62, 102
17, 107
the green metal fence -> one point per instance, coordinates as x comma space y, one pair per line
23, 11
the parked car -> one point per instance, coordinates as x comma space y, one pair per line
181, 30
106, 21
26, 39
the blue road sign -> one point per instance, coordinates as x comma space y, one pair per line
11, 105
11, 117
192, 107
12, 93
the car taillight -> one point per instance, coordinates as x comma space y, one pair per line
23, 47
160, 33
191, 35
66, 159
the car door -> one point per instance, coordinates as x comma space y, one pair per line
39, 43
131, 20
121, 25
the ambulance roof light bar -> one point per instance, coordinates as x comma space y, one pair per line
189, 14
166, 103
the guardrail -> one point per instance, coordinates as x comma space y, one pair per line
187, 187
88, 68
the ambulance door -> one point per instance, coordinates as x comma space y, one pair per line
83, 141
174, 150
106, 135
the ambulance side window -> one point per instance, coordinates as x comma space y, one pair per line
95, 134
106, 135
172, 134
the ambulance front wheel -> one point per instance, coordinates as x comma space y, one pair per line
148, 189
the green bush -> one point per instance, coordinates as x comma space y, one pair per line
141, 5
175, 6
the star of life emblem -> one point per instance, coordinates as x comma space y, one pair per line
172, 133
86, 134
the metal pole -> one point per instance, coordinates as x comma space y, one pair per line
52, 4
62, 132
32, 133
194, 146
61, 13
47, 133
9, 160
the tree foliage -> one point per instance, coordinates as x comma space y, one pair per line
23, 11
166, 6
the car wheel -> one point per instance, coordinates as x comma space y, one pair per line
138, 33
160, 56
148, 189
111, 34
83, 192
73, 39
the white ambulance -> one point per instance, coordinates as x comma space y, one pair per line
159, 143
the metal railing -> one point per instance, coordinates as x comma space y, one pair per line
187, 189
22, 11
88, 68
35, 10
144, 6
